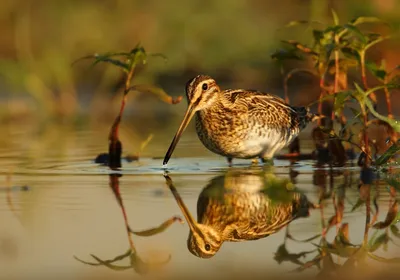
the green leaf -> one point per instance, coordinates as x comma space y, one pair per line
159, 229
394, 182
375, 244
340, 100
160, 55
342, 251
283, 54
137, 49
106, 58
351, 53
115, 62
357, 205
159, 92
375, 41
305, 240
282, 254
300, 22
361, 97
390, 217
318, 35
360, 94
384, 260
117, 258
357, 114
309, 264
377, 71
361, 20
395, 231
334, 29
393, 123
104, 55
356, 31
335, 17
388, 86
111, 266
396, 219
388, 154
300, 47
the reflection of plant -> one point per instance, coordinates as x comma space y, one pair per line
354, 255
9, 190
136, 263
335, 48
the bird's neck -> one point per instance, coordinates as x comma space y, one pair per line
212, 110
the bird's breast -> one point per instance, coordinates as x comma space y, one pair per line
234, 135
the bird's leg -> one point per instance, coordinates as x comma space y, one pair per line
267, 161
229, 159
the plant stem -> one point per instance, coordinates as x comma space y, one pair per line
388, 101
367, 215
126, 90
285, 88
321, 96
336, 86
364, 76
365, 136
364, 112
113, 136
114, 184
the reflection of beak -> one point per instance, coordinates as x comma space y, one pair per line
189, 219
186, 119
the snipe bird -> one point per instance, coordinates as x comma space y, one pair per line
240, 206
237, 123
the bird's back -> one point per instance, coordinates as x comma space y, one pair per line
248, 123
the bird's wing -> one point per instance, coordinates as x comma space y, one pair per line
261, 106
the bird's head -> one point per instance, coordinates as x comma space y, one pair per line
201, 92
204, 241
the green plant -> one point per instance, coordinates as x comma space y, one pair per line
334, 49
128, 63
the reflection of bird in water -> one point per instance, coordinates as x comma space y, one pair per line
240, 123
240, 206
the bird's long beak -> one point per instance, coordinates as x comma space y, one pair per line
189, 218
186, 119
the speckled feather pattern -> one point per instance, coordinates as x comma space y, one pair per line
249, 124
247, 214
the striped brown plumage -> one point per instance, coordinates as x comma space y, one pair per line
240, 123
236, 207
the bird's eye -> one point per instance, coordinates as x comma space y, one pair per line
207, 247
204, 86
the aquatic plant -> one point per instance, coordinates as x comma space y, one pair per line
334, 49
127, 62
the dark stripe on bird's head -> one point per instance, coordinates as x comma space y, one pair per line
192, 84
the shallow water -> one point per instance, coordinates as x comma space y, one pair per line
59, 204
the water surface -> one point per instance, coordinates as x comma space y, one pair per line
56, 203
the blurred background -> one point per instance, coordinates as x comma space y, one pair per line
229, 40
55, 117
